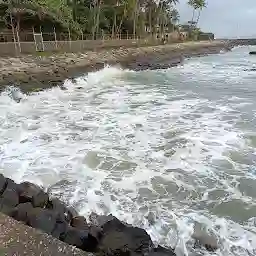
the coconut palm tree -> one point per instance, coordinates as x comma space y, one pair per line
196, 5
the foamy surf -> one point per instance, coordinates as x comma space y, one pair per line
158, 149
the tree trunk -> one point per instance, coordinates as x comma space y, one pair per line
94, 22
198, 17
135, 19
150, 20
74, 7
193, 16
114, 26
122, 20
98, 19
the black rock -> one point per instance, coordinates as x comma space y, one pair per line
60, 229
79, 222
43, 219
96, 232
40, 200
81, 239
2, 183
64, 212
161, 251
9, 197
120, 238
252, 53
32, 193
10, 184
21, 212
100, 220
8, 210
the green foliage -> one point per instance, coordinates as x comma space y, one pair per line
113, 17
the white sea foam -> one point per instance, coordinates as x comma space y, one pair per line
130, 143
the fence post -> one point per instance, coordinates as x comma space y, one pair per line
127, 34
103, 36
55, 38
34, 38
69, 38
42, 39
81, 41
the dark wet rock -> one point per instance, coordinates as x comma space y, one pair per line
161, 251
10, 184
43, 219
2, 183
79, 222
6, 209
60, 229
81, 239
32, 193
119, 238
96, 232
9, 198
100, 220
40, 200
202, 238
21, 212
252, 53
64, 212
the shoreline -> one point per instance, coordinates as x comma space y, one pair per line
32, 71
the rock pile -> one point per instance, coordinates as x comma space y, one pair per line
104, 235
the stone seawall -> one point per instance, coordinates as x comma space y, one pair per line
45, 71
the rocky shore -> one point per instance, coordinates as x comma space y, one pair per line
102, 235
48, 70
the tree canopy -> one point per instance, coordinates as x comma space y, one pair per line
94, 17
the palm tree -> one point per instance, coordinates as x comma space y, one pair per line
196, 5
201, 4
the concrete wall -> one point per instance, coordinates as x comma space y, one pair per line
73, 46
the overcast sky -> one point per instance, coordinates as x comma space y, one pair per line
225, 18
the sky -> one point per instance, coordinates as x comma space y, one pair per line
225, 18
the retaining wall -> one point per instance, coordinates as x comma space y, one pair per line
12, 48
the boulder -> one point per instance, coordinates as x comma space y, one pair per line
9, 197
81, 239
120, 238
43, 219
161, 251
10, 184
96, 232
2, 183
100, 220
64, 212
40, 200
7, 210
30, 192
21, 212
60, 229
79, 222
